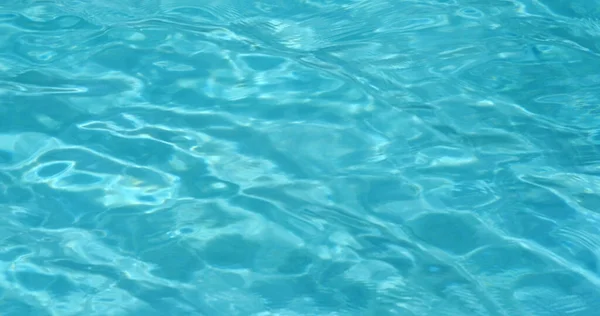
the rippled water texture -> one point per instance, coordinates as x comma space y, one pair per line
315, 157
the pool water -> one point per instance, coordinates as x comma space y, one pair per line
300, 157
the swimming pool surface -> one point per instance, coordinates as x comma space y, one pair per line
300, 157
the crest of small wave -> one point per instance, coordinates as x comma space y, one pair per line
316, 157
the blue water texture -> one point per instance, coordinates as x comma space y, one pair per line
300, 157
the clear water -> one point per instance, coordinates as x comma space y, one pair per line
378, 157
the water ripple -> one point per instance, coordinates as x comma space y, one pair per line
167, 157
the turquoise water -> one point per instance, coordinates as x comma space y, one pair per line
381, 157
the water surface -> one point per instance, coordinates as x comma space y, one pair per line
381, 157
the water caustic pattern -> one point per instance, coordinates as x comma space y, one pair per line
321, 157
